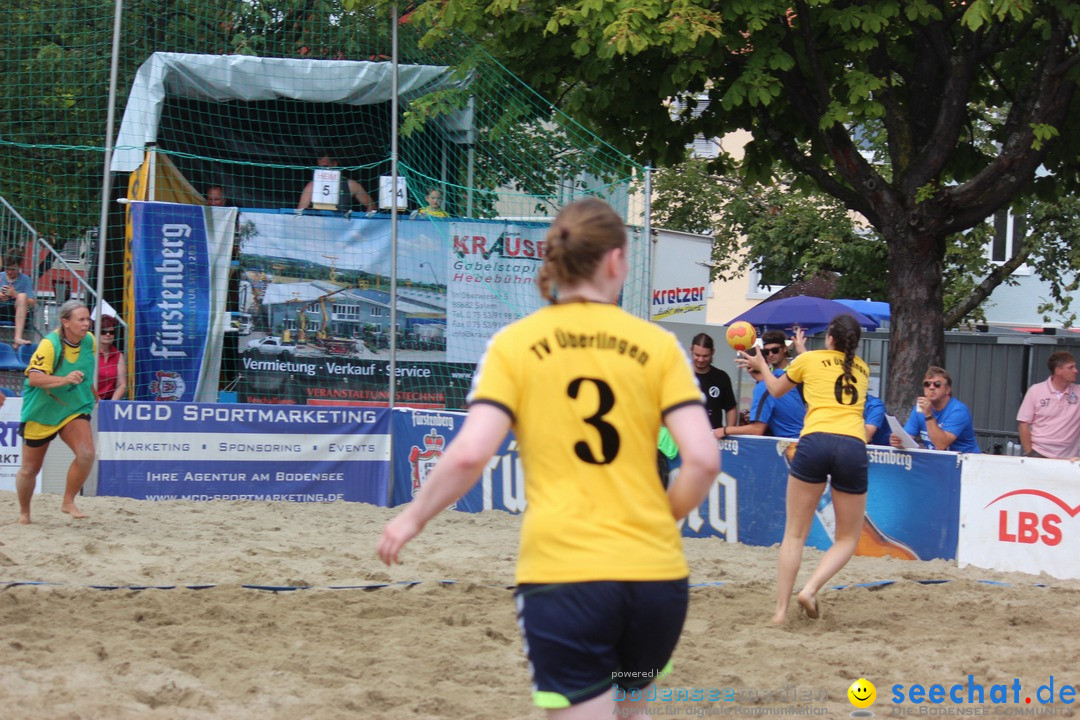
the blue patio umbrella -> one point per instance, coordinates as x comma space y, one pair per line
873, 309
812, 314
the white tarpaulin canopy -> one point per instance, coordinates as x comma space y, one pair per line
226, 78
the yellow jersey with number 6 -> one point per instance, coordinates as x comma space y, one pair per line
834, 404
586, 385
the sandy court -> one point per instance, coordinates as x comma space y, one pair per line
437, 649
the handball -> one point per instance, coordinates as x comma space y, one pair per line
741, 335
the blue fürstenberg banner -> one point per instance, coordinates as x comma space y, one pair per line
180, 264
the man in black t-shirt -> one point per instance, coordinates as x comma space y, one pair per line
715, 383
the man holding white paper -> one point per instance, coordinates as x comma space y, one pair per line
939, 421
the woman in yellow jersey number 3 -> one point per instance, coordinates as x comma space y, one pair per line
601, 577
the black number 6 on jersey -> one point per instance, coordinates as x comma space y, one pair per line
609, 436
845, 390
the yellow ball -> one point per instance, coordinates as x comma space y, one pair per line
741, 335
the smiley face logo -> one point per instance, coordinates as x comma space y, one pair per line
862, 693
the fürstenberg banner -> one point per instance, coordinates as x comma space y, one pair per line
180, 265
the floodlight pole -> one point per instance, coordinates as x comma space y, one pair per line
106, 175
650, 247
394, 200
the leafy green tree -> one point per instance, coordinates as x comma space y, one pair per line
819, 83
784, 233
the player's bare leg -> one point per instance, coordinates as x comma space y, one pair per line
20, 321
26, 479
78, 436
802, 500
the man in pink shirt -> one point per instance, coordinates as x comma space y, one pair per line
1049, 416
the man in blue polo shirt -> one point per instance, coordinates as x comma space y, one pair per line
939, 421
877, 429
776, 417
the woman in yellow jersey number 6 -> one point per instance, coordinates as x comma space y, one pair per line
832, 447
601, 577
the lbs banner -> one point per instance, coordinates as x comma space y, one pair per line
1020, 514
180, 263
175, 451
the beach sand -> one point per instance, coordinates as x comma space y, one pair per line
447, 646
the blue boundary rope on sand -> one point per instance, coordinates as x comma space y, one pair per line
411, 583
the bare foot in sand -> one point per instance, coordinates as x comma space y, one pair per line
71, 510
809, 606
779, 617
24, 518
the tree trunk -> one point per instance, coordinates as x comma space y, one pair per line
917, 331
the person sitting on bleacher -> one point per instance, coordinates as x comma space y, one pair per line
16, 295
350, 190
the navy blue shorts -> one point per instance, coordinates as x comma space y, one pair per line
827, 456
583, 638
46, 440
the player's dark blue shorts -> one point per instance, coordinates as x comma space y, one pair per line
583, 638
820, 456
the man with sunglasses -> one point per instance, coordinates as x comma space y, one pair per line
939, 421
774, 346
775, 417
1049, 416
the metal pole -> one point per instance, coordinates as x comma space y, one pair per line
106, 184
649, 245
106, 175
394, 201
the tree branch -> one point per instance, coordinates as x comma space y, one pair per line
955, 314
1015, 165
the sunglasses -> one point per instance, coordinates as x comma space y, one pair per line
771, 350
935, 383
107, 332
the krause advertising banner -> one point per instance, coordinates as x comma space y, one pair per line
196, 451
1020, 514
324, 381
912, 505
180, 264
317, 289
492, 271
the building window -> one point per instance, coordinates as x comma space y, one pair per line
1007, 229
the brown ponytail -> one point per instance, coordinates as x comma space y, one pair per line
846, 333
581, 234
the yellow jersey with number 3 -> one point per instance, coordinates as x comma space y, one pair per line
586, 385
834, 404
